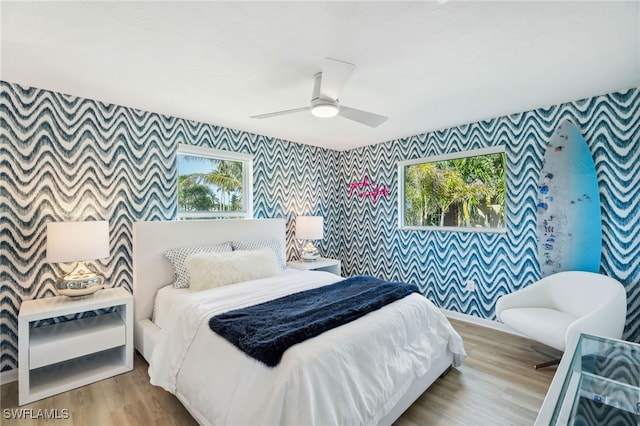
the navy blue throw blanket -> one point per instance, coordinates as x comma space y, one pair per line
266, 330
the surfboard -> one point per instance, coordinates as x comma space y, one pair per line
569, 229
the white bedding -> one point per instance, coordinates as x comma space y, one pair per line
166, 297
353, 374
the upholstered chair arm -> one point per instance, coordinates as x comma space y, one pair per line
608, 321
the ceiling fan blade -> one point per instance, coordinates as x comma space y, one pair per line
335, 75
277, 113
367, 118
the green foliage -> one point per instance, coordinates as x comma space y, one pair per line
193, 196
218, 190
469, 192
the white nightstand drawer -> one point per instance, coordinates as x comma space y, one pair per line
54, 343
63, 356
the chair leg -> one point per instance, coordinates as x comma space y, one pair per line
546, 364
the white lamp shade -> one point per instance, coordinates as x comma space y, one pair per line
77, 241
309, 227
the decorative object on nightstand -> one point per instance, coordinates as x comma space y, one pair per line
78, 242
309, 228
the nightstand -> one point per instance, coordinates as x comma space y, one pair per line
322, 264
58, 357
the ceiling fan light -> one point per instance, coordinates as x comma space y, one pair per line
324, 110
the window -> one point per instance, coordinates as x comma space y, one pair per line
455, 192
214, 183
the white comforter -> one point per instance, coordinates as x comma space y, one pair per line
351, 375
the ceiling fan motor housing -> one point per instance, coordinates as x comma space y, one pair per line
322, 107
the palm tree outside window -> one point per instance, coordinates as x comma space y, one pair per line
214, 183
464, 191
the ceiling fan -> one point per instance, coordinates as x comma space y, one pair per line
327, 86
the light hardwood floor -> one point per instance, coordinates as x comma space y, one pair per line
496, 385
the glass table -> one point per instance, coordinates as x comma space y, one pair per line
597, 383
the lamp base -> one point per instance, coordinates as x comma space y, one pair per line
80, 282
309, 253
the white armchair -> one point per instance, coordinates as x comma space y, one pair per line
556, 309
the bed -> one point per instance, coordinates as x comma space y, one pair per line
366, 372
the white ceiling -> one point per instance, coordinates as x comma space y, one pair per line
427, 65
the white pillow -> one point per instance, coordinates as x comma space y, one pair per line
208, 270
257, 244
177, 257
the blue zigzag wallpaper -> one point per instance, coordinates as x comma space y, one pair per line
441, 262
68, 158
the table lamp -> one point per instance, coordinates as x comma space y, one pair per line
78, 242
309, 228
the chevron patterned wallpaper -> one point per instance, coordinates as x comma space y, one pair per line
68, 158
441, 262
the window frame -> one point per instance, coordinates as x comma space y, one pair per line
247, 181
499, 149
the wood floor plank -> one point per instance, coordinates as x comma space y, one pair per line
496, 385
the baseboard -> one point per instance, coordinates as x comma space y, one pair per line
8, 376
483, 322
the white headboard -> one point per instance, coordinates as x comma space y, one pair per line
152, 270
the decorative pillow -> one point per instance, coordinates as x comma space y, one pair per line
256, 244
209, 270
177, 256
